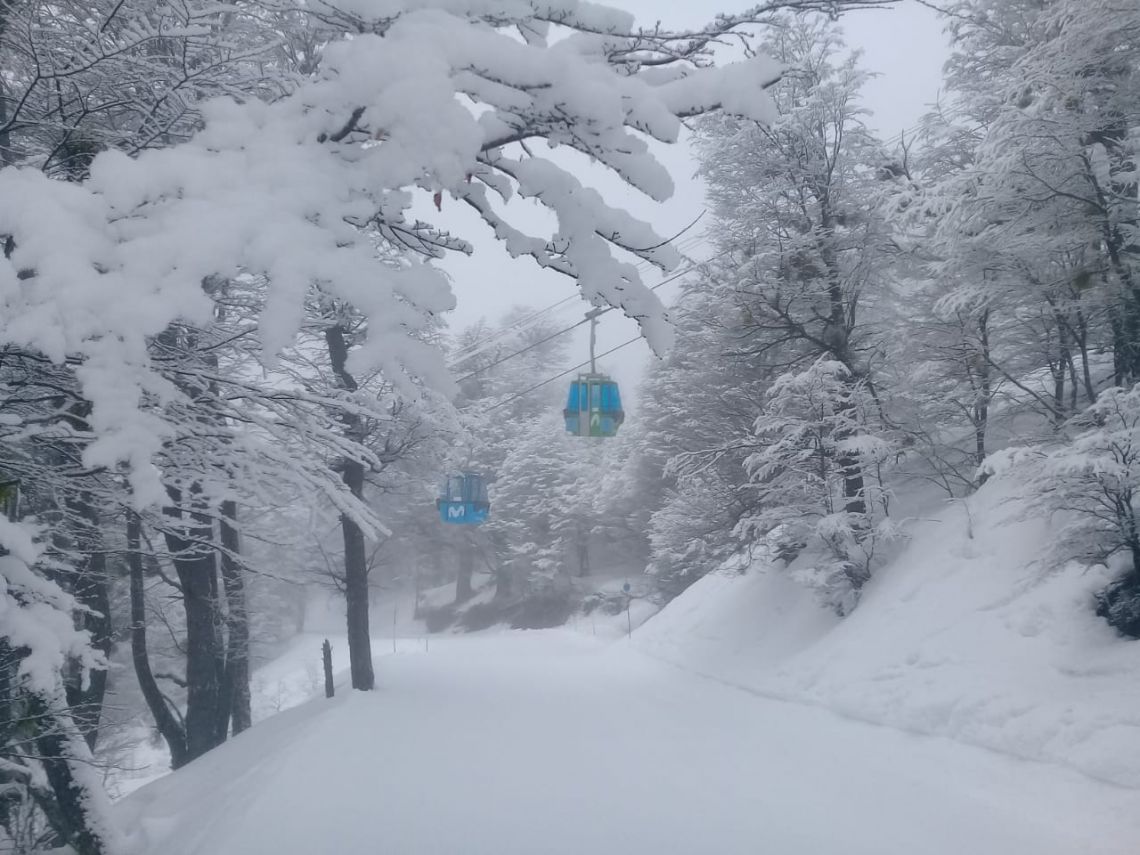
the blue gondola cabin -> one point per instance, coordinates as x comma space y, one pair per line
593, 407
463, 500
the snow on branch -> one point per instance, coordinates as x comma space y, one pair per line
299, 190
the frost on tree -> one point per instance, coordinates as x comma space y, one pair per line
299, 190
1088, 488
813, 434
1033, 188
456, 102
798, 294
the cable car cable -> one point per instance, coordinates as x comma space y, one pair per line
474, 349
559, 376
563, 374
601, 312
530, 346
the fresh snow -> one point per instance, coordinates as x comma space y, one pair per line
262, 190
980, 639
550, 742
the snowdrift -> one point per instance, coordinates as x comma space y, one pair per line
968, 634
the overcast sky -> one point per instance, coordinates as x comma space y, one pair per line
904, 46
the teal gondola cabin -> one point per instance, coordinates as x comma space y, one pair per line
593, 407
463, 499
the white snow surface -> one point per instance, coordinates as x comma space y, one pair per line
977, 639
972, 703
553, 742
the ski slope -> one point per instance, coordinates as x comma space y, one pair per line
551, 743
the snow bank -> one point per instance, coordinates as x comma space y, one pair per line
972, 638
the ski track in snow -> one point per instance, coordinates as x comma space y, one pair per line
547, 743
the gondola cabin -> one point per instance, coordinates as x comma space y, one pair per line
593, 407
463, 499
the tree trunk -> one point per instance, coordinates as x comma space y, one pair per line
66, 763
504, 579
1083, 345
166, 722
8, 723
504, 573
853, 485
196, 565
1126, 311
1064, 359
463, 588
355, 559
92, 590
326, 661
1058, 372
583, 549
981, 410
837, 334
1117, 346
356, 589
1074, 383
7, 157
854, 500
237, 626
1128, 342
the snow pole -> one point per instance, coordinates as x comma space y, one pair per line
326, 658
628, 619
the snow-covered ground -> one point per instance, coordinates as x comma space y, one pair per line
552, 742
975, 638
971, 704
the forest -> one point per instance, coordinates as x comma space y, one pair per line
229, 383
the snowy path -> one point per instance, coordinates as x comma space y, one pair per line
546, 744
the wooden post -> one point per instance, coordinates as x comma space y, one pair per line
326, 655
628, 620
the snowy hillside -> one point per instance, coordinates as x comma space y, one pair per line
972, 638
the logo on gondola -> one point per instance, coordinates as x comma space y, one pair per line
456, 512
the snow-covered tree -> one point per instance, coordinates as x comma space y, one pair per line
82, 78
802, 278
43, 755
544, 500
813, 424
1089, 486
297, 183
500, 370
693, 434
799, 200
1036, 221
1024, 209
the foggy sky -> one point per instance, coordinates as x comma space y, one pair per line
903, 46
